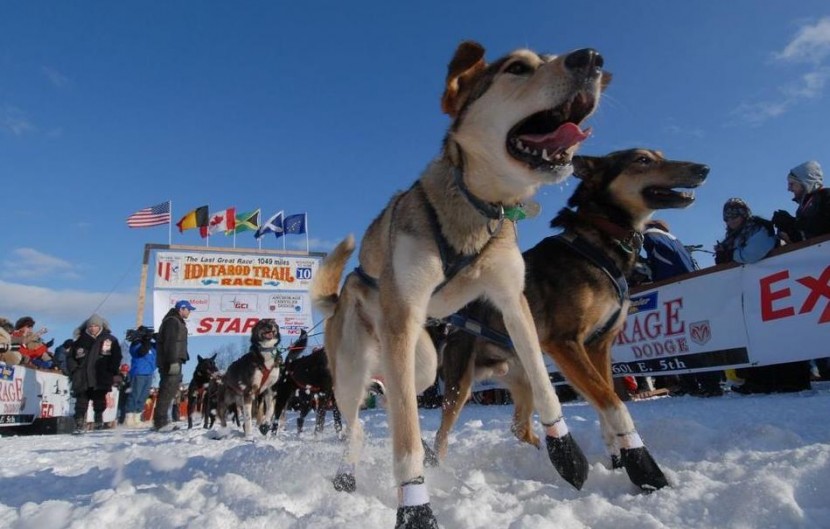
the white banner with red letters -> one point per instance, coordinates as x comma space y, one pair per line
29, 394
220, 313
227, 271
773, 311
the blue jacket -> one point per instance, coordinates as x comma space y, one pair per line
666, 255
143, 358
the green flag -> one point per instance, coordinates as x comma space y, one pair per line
246, 222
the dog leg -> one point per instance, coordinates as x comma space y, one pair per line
563, 451
268, 417
403, 311
517, 382
426, 365
456, 394
353, 368
589, 371
246, 403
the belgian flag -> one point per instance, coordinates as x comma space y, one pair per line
198, 218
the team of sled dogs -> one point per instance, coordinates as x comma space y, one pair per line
447, 246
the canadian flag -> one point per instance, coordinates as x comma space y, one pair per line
220, 221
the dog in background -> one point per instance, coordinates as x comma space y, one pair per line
197, 390
575, 284
306, 383
252, 376
450, 239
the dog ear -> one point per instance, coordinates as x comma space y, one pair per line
214, 356
199, 358
466, 64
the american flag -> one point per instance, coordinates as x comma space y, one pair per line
152, 216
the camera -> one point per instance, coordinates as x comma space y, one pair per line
141, 334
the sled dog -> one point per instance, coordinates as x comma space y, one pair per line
575, 283
451, 238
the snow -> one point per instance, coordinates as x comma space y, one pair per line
738, 461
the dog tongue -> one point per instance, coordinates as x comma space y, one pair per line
566, 136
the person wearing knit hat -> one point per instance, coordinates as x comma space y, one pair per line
93, 361
812, 218
749, 238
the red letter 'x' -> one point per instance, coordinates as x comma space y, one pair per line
818, 288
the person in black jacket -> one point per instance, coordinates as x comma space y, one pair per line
172, 353
812, 218
93, 361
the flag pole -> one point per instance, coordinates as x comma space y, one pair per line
170, 224
306, 234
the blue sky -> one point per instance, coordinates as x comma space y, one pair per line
330, 107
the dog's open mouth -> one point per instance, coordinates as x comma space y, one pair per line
544, 140
666, 197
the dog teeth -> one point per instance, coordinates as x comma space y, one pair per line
545, 155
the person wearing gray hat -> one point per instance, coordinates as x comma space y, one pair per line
812, 218
93, 360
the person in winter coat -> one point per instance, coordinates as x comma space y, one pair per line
665, 254
748, 239
142, 368
172, 353
812, 218
93, 361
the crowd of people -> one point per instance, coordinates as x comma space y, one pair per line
92, 360
747, 239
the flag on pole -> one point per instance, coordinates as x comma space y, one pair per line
149, 217
246, 222
195, 219
272, 225
294, 224
224, 220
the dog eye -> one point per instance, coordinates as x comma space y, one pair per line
643, 160
518, 68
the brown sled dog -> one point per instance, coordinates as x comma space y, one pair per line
575, 285
450, 239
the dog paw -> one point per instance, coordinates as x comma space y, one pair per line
642, 469
416, 517
616, 462
344, 482
568, 459
263, 429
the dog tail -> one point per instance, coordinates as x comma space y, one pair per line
326, 284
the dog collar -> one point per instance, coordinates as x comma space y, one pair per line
629, 240
494, 211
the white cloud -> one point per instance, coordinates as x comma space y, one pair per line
811, 45
28, 263
60, 306
14, 120
55, 77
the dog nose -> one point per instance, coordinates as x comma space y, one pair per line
586, 59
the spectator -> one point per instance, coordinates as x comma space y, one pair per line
142, 367
60, 356
812, 218
8, 354
93, 362
748, 239
172, 353
35, 353
668, 257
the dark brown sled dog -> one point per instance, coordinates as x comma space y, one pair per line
575, 285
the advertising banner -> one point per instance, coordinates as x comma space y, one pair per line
29, 394
773, 311
221, 313
226, 271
